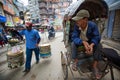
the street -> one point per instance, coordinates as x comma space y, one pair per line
47, 69
76, 19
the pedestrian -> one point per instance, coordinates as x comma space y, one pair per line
85, 34
32, 41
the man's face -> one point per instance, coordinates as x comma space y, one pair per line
28, 28
82, 22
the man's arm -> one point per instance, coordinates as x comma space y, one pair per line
96, 36
22, 32
38, 38
75, 36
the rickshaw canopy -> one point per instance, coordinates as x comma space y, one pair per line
96, 8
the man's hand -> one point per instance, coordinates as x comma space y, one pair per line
86, 45
88, 48
37, 45
91, 47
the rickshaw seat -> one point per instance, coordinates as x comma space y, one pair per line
112, 57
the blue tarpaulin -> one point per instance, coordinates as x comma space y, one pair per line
3, 19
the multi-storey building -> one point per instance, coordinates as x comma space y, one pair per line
45, 11
50, 9
9, 12
34, 10
16, 18
19, 10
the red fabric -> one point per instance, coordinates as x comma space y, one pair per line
28, 24
2, 43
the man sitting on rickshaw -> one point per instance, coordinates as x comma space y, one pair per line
85, 34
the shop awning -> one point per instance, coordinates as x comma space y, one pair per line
3, 19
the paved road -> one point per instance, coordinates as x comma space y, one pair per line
47, 69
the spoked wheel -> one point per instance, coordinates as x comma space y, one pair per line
65, 71
64, 67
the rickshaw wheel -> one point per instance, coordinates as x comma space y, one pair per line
64, 67
65, 71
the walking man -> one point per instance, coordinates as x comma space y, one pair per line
32, 41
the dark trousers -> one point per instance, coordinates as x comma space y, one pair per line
96, 52
29, 56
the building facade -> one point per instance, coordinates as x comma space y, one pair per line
20, 11
113, 25
45, 11
8, 11
34, 10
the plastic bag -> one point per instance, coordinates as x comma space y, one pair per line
16, 49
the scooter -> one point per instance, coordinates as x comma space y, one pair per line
51, 34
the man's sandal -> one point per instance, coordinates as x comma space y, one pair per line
97, 74
74, 67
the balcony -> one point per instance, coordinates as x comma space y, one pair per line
42, 5
43, 12
50, 6
43, 16
55, 0
51, 13
50, 16
41, 1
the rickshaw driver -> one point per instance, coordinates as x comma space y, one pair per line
85, 33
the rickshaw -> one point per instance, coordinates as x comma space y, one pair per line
98, 10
